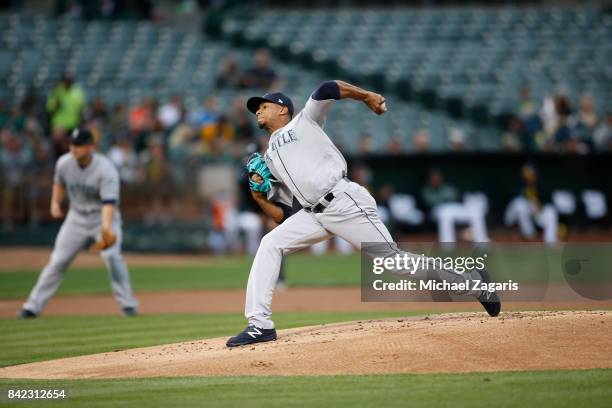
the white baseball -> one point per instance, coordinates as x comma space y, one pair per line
383, 106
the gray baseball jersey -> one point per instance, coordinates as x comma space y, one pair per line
303, 158
88, 189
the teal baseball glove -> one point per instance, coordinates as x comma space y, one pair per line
257, 165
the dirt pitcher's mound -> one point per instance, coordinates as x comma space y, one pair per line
445, 343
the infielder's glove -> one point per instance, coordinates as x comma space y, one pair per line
107, 240
257, 165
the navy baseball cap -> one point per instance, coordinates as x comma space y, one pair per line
80, 137
274, 97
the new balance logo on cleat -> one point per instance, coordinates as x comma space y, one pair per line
254, 333
250, 335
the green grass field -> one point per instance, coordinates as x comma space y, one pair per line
232, 272
510, 389
49, 337
220, 273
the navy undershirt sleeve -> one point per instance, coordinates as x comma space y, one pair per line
327, 90
287, 211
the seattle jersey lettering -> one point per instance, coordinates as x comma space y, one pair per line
84, 191
282, 139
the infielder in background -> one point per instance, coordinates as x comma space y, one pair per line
304, 163
93, 221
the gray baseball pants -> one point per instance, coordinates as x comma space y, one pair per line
351, 215
78, 232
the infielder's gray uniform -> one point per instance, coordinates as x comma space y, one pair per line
87, 189
309, 166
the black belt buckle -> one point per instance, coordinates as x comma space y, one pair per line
320, 207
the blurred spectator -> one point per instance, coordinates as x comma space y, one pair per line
420, 140
31, 104
561, 133
65, 105
456, 139
184, 153
562, 137
516, 137
510, 142
526, 108
602, 137
98, 134
585, 123
206, 115
142, 117
170, 113
141, 123
534, 134
587, 116
241, 120
97, 121
219, 136
511, 139
531, 205
394, 146
98, 111
525, 129
181, 141
158, 182
224, 216
442, 201
214, 129
125, 159
32, 126
229, 75
119, 119
548, 115
40, 172
365, 144
15, 157
260, 75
